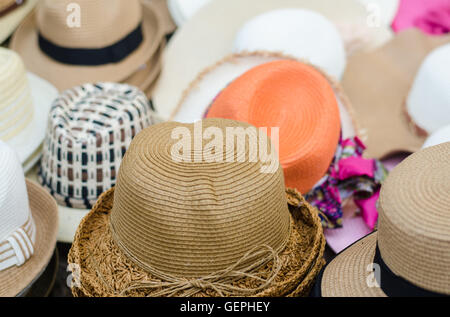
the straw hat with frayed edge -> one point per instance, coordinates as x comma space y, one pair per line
297, 99
12, 12
413, 238
197, 98
439, 137
28, 226
192, 36
24, 106
378, 84
115, 39
204, 224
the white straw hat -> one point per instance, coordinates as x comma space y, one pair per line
440, 136
428, 102
304, 34
183, 10
24, 106
11, 14
28, 224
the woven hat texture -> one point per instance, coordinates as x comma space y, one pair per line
203, 228
90, 128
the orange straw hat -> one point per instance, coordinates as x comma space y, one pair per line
299, 100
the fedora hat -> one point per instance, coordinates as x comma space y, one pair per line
183, 10
440, 136
114, 41
432, 17
24, 107
90, 128
410, 253
378, 84
12, 12
190, 39
207, 227
28, 226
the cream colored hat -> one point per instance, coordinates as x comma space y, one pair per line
440, 136
410, 253
204, 46
104, 40
28, 225
24, 105
12, 13
183, 10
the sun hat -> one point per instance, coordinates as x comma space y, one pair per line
378, 84
28, 225
90, 128
428, 103
289, 31
440, 136
432, 16
114, 40
12, 12
193, 224
190, 39
410, 253
183, 10
24, 107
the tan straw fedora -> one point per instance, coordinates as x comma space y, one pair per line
203, 228
109, 40
378, 84
410, 253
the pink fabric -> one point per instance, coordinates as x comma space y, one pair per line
431, 16
356, 166
368, 209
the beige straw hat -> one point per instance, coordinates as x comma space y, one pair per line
378, 84
202, 228
12, 12
114, 41
410, 253
28, 226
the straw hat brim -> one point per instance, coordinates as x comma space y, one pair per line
10, 21
45, 215
25, 42
28, 141
104, 266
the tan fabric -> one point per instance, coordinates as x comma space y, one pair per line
378, 84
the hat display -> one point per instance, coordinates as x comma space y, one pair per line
11, 14
431, 16
428, 103
183, 10
378, 84
28, 225
410, 253
440, 136
114, 41
288, 31
203, 46
90, 128
24, 104
212, 227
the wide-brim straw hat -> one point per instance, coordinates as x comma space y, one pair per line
378, 84
138, 63
410, 253
45, 214
13, 16
190, 39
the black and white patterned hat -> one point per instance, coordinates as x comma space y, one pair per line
89, 130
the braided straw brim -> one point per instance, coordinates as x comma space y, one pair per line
45, 215
106, 272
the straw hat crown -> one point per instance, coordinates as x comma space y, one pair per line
97, 18
414, 235
16, 108
17, 229
192, 219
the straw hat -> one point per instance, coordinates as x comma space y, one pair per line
114, 41
12, 12
90, 128
183, 10
410, 254
177, 227
191, 38
439, 137
378, 84
24, 107
289, 31
28, 226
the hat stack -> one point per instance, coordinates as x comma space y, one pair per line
190, 223
90, 128
28, 226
